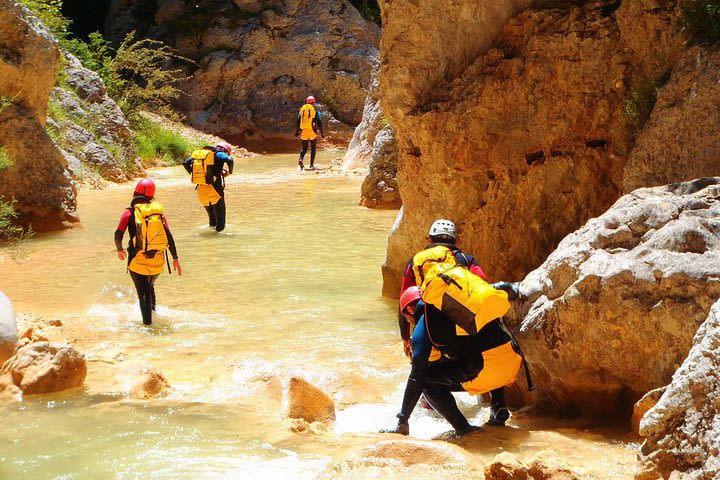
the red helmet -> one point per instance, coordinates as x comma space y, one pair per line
225, 146
310, 99
410, 295
145, 187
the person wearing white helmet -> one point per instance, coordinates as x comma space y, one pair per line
462, 366
309, 122
206, 167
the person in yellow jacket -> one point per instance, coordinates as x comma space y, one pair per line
308, 124
150, 238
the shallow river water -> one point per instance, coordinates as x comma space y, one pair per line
292, 285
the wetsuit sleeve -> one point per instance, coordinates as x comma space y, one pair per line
118, 240
408, 281
171, 240
297, 124
477, 270
187, 165
230, 162
122, 226
318, 119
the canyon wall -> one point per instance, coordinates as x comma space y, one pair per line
257, 60
35, 172
511, 118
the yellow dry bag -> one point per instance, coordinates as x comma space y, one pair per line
307, 117
203, 160
467, 299
150, 232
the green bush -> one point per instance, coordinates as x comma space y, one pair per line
702, 16
9, 230
5, 160
153, 142
639, 104
368, 9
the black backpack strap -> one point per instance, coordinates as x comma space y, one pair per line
516, 347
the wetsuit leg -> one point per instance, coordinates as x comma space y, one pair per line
443, 401
415, 384
219, 209
211, 216
313, 145
152, 297
497, 398
144, 288
304, 149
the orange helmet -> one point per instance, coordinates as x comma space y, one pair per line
310, 99
410, 295
145, 187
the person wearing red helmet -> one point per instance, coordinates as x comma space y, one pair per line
309, 122
206, 167
443, 361
150, 238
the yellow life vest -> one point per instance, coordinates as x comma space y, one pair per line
203, 159
463, 296
307, 117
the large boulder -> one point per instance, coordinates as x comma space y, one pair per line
360, 150
8, 329
142, 380
45, 367
257, 61
612, 312
544, 466
36, 178
308, 402
681, 431
380, 187
483, 139
402, 459
90, 127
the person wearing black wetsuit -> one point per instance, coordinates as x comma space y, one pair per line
216, 211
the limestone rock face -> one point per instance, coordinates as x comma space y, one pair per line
360, 149
380, 187
681, 141
308, 402
36, 179
403, 459
681, 430
648, 401
521, 143
258, 61
45, 367
545, 466
8, 329
611, 313
143, 380
90, 128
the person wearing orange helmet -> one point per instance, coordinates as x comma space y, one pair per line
206, 167
309, 122
150, 238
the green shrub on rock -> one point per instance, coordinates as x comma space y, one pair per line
703, 16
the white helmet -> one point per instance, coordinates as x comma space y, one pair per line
442, 227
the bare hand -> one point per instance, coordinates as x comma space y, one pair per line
177, 267
122, 254
407, 348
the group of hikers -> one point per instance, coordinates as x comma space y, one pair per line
450, 317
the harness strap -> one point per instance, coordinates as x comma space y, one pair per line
516, 346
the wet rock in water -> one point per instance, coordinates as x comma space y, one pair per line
36, 177
8, 329
380, 187
681, 431
648, 401
308, 402
347, 388
403, 459
42, 330
298, 425
544, 466
360, 150
611, 313
46, 367
142, 380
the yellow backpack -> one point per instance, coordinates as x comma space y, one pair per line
467, 299
203, 160
307, 117
150, 236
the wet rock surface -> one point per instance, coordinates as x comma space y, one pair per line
612, 312
402, 459
8, 329
142, 380
681, 430
544, 466
36, 177
45, 367
380, 187
360, 150
258, 61
307, 402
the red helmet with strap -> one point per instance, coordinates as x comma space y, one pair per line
225, 146
410, 295
145, 187
310, 99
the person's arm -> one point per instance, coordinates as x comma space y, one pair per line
408, 281
172, 248
230, 163
318, 119
297, 125
187, 164
120, 232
